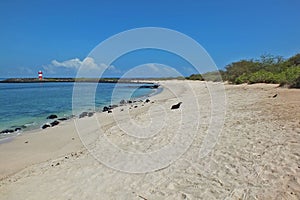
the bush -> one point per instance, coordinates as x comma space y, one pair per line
290, 77
262, 76
215, 76
195, 77
242, 79
296, 83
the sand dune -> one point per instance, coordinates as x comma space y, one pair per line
241, 144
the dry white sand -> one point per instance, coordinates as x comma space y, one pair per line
256, 155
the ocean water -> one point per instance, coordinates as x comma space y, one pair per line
27, 105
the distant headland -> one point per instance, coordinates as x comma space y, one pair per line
92, 80
147, 84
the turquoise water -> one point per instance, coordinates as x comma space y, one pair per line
27, 105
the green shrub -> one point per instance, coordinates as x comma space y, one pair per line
242, 79
262, 76
195, 77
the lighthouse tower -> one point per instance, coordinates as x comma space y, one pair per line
40, 75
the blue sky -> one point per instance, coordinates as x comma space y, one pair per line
45, 34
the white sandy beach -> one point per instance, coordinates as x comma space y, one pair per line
256, 155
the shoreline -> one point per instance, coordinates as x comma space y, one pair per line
260, 136
16, 130
27, 135
78, 80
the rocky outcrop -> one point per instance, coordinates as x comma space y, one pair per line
7, 131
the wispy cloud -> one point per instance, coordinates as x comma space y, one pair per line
152, 70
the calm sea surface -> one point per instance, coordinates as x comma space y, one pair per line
27, 105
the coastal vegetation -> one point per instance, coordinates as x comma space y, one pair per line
266, 69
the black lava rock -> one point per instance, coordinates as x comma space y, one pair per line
7, 131
52, 117
84, 114
62, 119
90, 114
46, 126
122, 102
54, 123
17, 129
105, 109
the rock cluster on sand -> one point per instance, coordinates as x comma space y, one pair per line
107, 109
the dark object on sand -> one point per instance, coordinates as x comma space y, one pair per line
52, 117
45, 126
275, 96
90, 114
135, 106
109, 111
176, 106
147, 100
54, 123
129, 101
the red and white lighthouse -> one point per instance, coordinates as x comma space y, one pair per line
40, 75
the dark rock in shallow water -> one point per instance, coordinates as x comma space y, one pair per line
84, 114
63, 119
54, 123
52, 117
7, 131
113, 106
17, 129
122, 102
105, 109
22, 126
46, 126
129, 101
90, 114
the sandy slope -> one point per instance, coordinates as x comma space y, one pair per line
256, 155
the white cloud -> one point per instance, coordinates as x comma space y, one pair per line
88, 66
73, 63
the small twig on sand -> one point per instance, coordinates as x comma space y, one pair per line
142, 197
